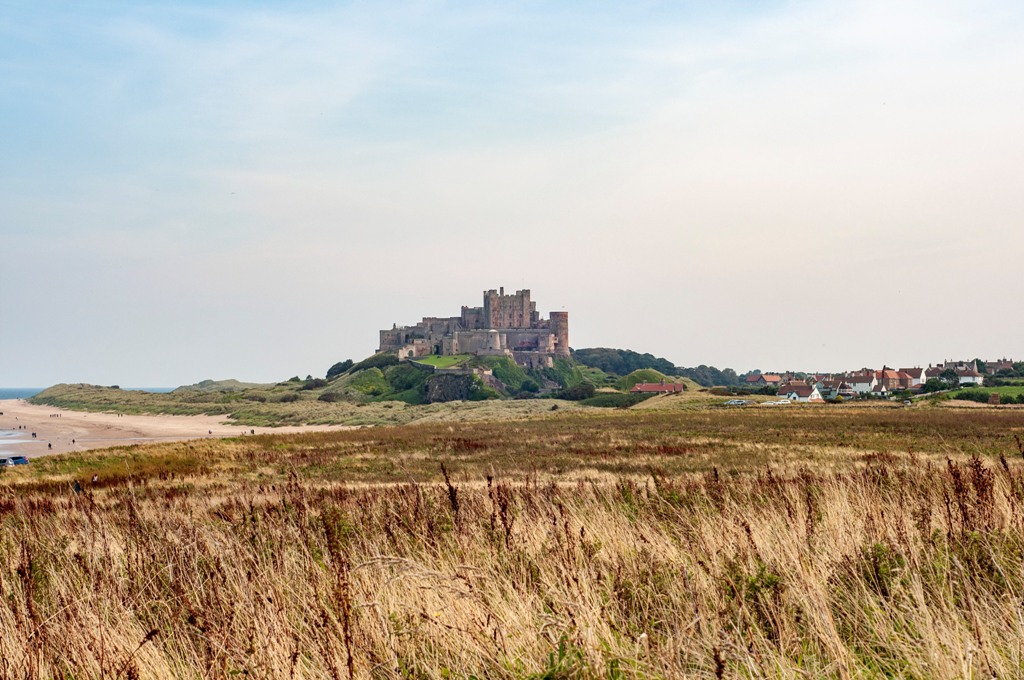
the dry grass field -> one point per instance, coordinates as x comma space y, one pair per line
714, 543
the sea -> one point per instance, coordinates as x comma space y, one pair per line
19, 392
26, 392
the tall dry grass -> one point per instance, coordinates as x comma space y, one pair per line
901, 568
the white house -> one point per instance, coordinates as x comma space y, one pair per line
802, 393
862, 383
968, 377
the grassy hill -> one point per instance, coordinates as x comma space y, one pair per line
352, 397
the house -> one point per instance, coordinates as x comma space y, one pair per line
658, 388
889, 378
831, 389
993, 367
879, 390
862, 383
969, 376
763, 380
917, 377
804, 393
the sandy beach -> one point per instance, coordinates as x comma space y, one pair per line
59, 430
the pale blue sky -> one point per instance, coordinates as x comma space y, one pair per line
252, 190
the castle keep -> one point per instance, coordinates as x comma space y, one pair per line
506, 325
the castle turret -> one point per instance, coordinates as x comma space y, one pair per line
560, 329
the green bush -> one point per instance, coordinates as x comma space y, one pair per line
370, 382
330, 397
313, 384
578, 392
529, 385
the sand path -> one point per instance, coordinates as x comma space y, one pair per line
60, 430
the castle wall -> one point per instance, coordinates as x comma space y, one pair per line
472, 318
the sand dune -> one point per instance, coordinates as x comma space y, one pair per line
59, 430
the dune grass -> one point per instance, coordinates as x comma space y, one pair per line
648, 544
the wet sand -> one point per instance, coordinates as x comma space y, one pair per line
81, 431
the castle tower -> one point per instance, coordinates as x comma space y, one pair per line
560, 329
508, 311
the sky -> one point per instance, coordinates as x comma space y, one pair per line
252, 190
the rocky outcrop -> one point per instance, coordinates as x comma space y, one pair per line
443, 387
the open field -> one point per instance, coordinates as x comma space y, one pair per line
811, 542
1004, 390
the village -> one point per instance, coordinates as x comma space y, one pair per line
864, 383
877, 383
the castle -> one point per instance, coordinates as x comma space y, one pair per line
506, 325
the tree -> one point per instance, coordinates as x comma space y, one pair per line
339, 368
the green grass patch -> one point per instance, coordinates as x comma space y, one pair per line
1007, 394
443, 361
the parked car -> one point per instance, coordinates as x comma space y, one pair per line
13, 460
735, 402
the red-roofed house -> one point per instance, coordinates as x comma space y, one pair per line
916, 376
889, 378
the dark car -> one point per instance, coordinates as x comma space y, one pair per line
14, 460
